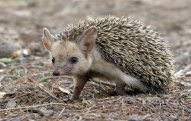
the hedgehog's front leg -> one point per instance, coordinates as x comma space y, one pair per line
79, 84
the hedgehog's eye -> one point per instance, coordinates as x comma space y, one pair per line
73, 60
53, 60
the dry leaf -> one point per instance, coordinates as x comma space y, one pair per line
65, 90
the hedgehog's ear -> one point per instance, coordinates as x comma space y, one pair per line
87, 40
47, 39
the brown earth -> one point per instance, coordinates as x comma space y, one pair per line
29, 92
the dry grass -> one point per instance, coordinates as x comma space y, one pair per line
33, 91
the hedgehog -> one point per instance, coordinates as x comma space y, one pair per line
121, 50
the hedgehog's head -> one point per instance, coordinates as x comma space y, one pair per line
70, 57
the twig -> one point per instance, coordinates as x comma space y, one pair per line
187, 68
25, 69
34, 111
183, 71
34, 106
61, 112
1, 78
88, 110
5, 75
104, 83
122, 105
53, 77
48, 93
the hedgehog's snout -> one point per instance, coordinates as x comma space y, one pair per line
56, 73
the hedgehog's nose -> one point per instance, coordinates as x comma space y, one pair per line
56, 73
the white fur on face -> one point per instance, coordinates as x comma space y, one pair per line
62, 51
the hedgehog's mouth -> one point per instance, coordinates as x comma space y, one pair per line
62, 72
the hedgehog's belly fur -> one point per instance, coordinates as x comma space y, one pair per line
103, 70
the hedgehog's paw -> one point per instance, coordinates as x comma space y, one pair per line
120, 88
120, 92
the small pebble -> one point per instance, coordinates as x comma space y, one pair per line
11, 103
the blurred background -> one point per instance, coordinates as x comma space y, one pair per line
22, 21
25, 75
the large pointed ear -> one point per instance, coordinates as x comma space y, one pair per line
47, 39
87, 40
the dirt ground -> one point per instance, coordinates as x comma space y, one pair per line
29, 92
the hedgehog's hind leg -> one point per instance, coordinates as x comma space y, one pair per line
120, 88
